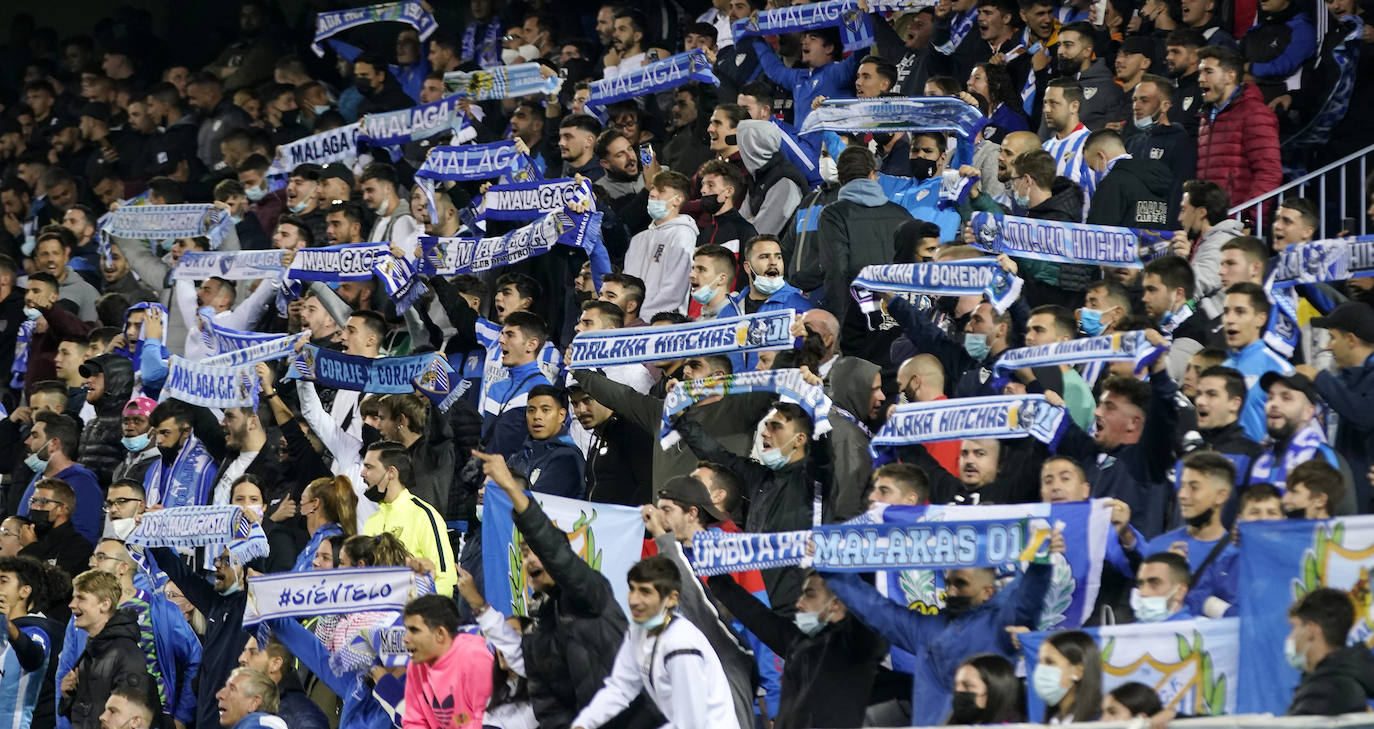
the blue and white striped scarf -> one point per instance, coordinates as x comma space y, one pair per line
383, 375
997, 416
763, 331
788, 385
856, 30
403, 126
211, 386
668, 73
895, 114
502, 82
1130, 346
322, 148
410, 12
1047, 240
958, 30
975, 277
202, 526
21, 353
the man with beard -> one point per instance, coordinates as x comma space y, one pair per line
1103, 100
419, 526
686, 146
1238, 138
1063, 103
51, 449
1152, 135
577, 135
1013, 145
248, 451
1202, 217
52, 255
623, 182
1204, 486
51, 509
1205, 17
220, 116
1168, 295
1295, 434
1181, 59
185, 474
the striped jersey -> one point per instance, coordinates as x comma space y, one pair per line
20, 686
1069, 161
488, 334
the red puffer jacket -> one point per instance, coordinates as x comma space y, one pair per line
1239, 150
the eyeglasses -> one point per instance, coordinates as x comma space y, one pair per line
40, 501
112, 504
101, 557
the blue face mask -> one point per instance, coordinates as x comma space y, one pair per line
1149, 609
298, 207
320, 109
136, 443
236, 219
773, 458
658, 209
1090, 320
31, 313
35, 462
808, 623
1046, 680
702, 294
976, 345
1144, 123
255, 194
768, 285
656, 621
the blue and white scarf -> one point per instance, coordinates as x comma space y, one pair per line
21, 353
185, 527
347, 262
382, 643
788, 385
1323, 261
399, 281
443, 397
186, 482
134, 350
322, 148
1305, 445
856, 31
715, 552
1130, 346
220, 339
974, 277
229, 265
403, 126
165, 222
1046, 240
895, 114
232, 386
529, 200
489, 54
997, 416
264, 351
958, 30
763, 331
449, 256
383, 375
332, 592
473, 163
663, 75
502, 82
410, 12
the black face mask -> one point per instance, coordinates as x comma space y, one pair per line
42, 522
1201, 520
731, 140
922, 168
966, 709
620, 176
363, 86
169, 453
1291, 513
957, 605
882, 138
712, 204
290, 117
581, 296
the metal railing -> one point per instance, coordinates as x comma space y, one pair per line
1239, 721
1350, 173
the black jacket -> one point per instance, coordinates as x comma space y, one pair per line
1187, 102
388, 98
1103, 98
778, 500
1065, 205
826, 677
1135, 194
726, 227
1172, 145
63, 546
858, 230
112, 659
101, 450
1341, 683
30, 653
578, 627
801, 243
620, 464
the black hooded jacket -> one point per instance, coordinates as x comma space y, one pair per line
1135, 194
1341, 683
100, 449
112, 659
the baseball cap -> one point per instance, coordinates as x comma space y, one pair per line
1139, 45
689, 492
1293, 382
309, 171
140, 406
1355, 317
337, 171
97, 110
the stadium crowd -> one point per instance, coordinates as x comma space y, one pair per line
713, 199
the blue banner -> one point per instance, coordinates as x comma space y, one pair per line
410, 12
383, 375
1047, 240
211, 386
749, 333
528, 200
1194, 665
788, 385
715, 552
347, 262
856, 32
944, 545
608, 537
336, 145
220, 339
975, 277
393, 128
503, 82
471, 162
229, 265
997, 416
449, 256
1280, 561
896, 114
668, 73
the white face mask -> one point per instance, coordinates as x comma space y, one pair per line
122, 528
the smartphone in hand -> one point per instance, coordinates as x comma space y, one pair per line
646, 154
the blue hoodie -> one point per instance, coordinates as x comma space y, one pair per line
553, 466
787, 297
833, 80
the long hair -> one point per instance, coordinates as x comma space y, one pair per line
1001, 90
1081, 650
1006, 692
383, 550
337, 499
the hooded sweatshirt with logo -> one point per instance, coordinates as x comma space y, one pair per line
778, 184
661, 255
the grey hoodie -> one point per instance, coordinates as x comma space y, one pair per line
661, 255
851, 383
1206, 263
759, 143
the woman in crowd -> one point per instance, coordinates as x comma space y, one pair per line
281, 538
330, 509
1129, 701
987, 691
1068, 678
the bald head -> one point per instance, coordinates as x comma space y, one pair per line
826, 325
1013, 146
113, 558
922, 378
